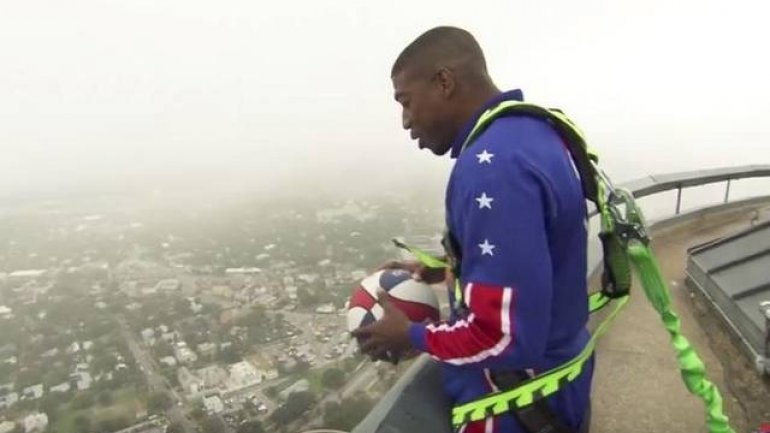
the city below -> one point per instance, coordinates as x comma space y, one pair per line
152, 320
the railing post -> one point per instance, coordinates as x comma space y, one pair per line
678, 199
727, 191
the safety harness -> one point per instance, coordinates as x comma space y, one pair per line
625, 244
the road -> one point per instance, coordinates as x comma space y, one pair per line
156, 381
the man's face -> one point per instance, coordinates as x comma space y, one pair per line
425, 110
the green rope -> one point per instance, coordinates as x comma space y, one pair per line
692, 367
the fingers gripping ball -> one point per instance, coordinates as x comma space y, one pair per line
415, 298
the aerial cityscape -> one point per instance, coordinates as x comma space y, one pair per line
148, 320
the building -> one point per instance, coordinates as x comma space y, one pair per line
184, 354
168, 285
148, 336
33, 392
62, 387
213, 377
207, 349
36, 422
83, 380
169, 361
5, 312
73, 348
243, 374
9, 400
213, 404
325, 309
7, 426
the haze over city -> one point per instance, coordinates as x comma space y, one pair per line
274, 97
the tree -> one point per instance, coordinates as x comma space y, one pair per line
82, 400
105, 398
346, 414
213, 425
198, 413
271, 391
82, 423
229, 355
109, 425
333, 378
175, 427
157, 402
250, 427
297, 404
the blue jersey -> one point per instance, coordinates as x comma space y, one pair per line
515, 206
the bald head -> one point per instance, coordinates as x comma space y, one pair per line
443, 47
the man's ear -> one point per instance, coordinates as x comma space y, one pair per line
445, 80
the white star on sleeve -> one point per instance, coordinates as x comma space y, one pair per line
485, 156
486, 248
484, 201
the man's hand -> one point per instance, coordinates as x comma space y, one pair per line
419, 271
388, 337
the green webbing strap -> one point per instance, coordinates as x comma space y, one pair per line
692, 368
596, 301
423, 257
431, 261
536, 388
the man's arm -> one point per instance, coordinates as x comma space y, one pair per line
506, 271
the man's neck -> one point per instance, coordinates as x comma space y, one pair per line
475, 102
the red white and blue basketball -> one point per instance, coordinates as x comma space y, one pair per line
415, 298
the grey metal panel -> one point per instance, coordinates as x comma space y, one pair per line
739, 279
733, 249
754, 323
735, 272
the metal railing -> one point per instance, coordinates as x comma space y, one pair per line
416, 403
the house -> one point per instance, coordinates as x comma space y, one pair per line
8, 400
62, 387
36, 422
83, 379
87, 345
169, 284
73, 348
213, 404
189, 382
213, 376
168, 361
207, 349
325, 309
50, 353
184, 354
33, 392
243, 374
148, 335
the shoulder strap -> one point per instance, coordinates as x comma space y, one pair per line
571, 135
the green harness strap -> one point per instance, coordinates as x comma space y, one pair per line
625, 241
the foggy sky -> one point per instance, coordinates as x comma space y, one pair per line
269, 96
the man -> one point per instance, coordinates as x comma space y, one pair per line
516, 215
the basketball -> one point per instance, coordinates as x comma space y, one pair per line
415, 298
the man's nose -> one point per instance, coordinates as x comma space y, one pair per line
406, 120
